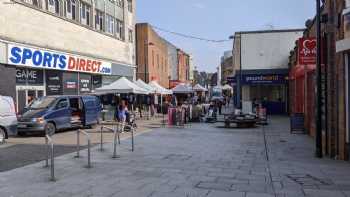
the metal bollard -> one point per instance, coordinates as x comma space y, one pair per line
89, 158
52, 163
101, 141
116, 133
48, 152
52, 156
132, 139
78, 144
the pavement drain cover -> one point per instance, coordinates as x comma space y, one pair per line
308, 180
178, 157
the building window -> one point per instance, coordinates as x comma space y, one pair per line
74, 7
57, 6
85, 14
120, 3
119, 29
36, 3
131, 36
109, 24
99, 20
130, 5
70, 7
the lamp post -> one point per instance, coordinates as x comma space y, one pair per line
146, 57
318, 117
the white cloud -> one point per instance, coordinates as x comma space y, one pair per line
198, 5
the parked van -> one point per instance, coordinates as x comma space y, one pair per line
8, 118
51, 113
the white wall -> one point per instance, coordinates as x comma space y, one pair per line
26, 25
267, 50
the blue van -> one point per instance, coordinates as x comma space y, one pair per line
51, 113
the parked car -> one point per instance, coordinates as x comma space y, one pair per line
8, 118
49, 114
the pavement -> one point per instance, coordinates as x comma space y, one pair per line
199, 160
22, 151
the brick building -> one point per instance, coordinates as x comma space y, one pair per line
335, 83
226, 66
152, 56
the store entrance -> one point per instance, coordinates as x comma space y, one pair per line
27, 95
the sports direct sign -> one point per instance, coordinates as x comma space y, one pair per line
307, 51
44, 59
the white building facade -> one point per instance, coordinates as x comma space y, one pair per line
53, 47
261, 67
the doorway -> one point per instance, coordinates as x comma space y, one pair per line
25, 95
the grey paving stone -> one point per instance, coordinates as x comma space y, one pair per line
214, 186
225, 194
323, 193
251, 194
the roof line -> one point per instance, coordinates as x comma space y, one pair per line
270, 31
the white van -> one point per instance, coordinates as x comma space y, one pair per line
8, 118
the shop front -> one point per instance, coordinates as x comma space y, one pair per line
267, 87
29, 72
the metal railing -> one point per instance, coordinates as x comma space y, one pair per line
132, 130
88, 143
101, 135
50, 154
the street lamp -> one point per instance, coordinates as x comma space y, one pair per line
146, 57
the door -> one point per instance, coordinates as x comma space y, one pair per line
62, 114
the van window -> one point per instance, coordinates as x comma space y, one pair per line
41, 103
63, 103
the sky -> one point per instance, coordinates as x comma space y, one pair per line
217, 20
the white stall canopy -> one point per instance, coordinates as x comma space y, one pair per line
159, 89
144, 85
199, 88
182, 89
121, 86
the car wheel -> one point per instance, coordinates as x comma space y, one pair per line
2, 136
50, 129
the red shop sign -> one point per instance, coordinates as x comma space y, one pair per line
307, 50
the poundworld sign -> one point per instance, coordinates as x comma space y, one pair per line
47, 59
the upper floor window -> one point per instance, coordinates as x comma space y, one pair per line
120, 3
131, 36
35, 3
54, 6
109, 24
119, 29
70, 9
99, 20
130, 5
85, 11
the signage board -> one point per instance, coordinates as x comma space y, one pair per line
48, 59
29, 76
54, 83
264, 79
96, 81
85, 84
70, 83
307, 50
